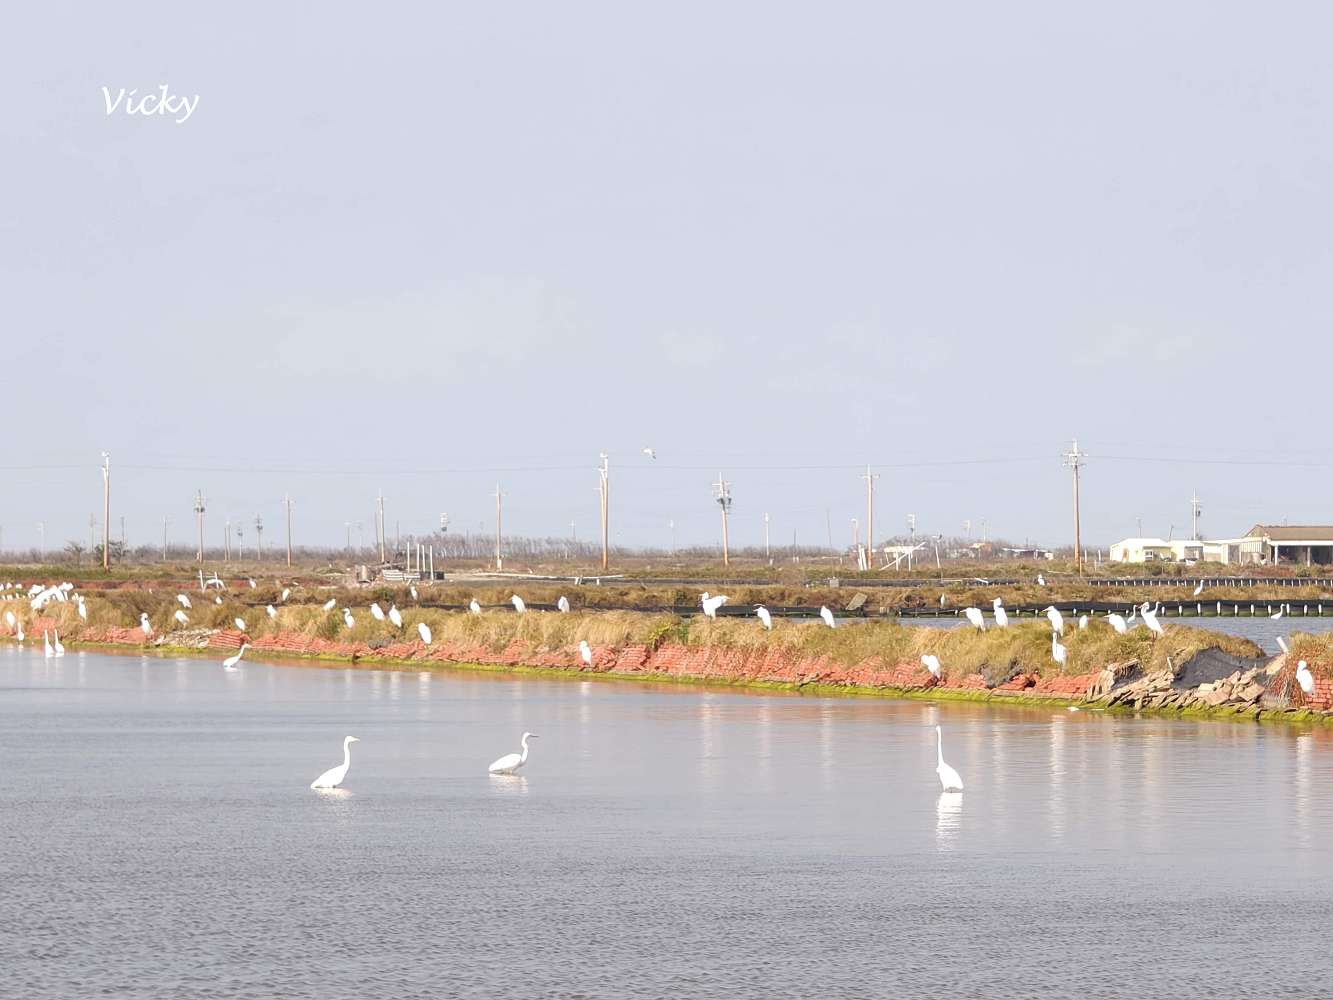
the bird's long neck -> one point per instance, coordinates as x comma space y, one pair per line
939, 747
347, 753
524, 757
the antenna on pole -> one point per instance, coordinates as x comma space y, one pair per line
722, 494
1074, 460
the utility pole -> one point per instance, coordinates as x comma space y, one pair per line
226, 540
287, 505
379, 523
911, 539
828, 526
499, 559
259, 538
1195, 511
199, 507
983, 531
123, 544
856, 534
604, 490
671, 523
967, 529
92, 545
41, 534
1074, 460
870, 516
722, 490
348, 526
767, 555
106, 511
166, 520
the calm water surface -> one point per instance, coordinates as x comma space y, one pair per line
158, 839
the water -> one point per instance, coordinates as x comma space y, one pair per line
1261, 630
158, 839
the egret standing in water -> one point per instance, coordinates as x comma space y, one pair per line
585, 651
333, 777
827, 615
975, 617
230, 662
950, 780
511, 762
519, 606
60, 650
764, 617
423, 630
47, 651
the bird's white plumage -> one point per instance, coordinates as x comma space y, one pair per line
144, 623
1041, 580
585, 652
511, 762
271, 611
563, 604
348, 620
764, 616
330, 604
710, 603
474, 607
1082, 622
518, 604
47, 651
230, 662
239, 623
1199, 589
286, 593
181, 617
1150, 619
1058, 652
376, 611
1057, 620
60, 649
932, 663
395, 616
1304, 678
1117, 622
1001, 616
334, 776
827, 615
950, 780
423, 630
975, 617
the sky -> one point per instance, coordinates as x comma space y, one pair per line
427, 248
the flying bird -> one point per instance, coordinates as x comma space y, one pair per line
585, 651
230, 662
563, 604
518, 604
950, 780
932, 663
423, 630
975, 617
650, 453
827, 615
511, 762
333, 777
764, 617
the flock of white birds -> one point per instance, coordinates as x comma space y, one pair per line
40, 596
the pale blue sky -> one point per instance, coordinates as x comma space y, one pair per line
407, 246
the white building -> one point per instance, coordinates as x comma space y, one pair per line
1144, 550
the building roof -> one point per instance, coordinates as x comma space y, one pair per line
1146, 543
1292, 532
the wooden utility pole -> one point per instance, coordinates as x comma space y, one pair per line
767, 554
499, 559
106, 511
722, 494
379, 522
870, 517
1196, 509
259, 538
287, 505
604, 490
1074, 460
166, 520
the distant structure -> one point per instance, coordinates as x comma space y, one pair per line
1262, 545
1146, 550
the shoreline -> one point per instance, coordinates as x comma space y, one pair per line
1014, 697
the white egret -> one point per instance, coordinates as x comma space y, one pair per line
932, 663
563, 604
1304, 678
60, 649
412, 589
143, 623
348, 620
474, 607
423, 630
217, 600
395, 616
18, 632
1199, 589
1082, 622
1133, 614
230, 662
827, 615
518, 604
1058, 652
10, 619
48, 652
1057, 620
181, 617
1041, 580
941, 600
330, 604
271, 611
252, 583
950, 780
83, 611
975, 617
711, 604
1150, 619
1001, 616
239, 623
1117, 622
650, 453
764, 617
1280, 609
286, 593
511, 762
333, 777
376, 611
585, 651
